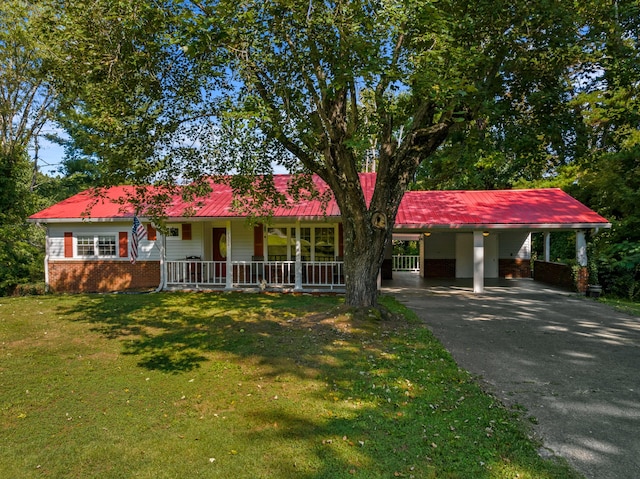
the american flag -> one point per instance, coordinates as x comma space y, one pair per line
138, 233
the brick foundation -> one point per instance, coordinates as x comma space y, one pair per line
514, 268
439, 268
102, 276
508, 268
582, 280
560, 274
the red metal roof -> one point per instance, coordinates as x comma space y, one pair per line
508, 208
418, 209
90, 204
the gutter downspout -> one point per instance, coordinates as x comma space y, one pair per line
46, 259
163, 263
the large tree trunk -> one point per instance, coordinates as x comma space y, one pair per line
364, 246
367, 230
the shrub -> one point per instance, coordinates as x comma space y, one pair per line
30, 289
619, 270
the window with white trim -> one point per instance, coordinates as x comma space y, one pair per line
324, 244
106, 245
85, 246
101, 246
277, 241
305, 244
316, 244
174, 232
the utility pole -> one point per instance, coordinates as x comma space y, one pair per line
36, 147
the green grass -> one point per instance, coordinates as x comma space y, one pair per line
177, 385
626, 306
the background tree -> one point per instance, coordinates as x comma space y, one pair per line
607, 174
26, 104
584, 139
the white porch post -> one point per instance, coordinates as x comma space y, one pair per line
478, 262
581, 248
547, 247
298, 283
423, 239
162, 240
229, 265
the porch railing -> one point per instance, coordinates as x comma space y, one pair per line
211, 273
254, 273
406, 263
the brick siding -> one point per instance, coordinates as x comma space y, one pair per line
102, 276
514, 268
440, 268
560, 274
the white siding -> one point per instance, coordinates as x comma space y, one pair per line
491, 247
178, 249
464, 255
56, 240
242, 241
146, 249
440, 246
515, 245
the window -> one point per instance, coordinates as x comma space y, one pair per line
325, 246
305, 244
86, 245
173, 232
277, 241
317, 244
104, 245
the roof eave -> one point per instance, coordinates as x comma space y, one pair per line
502, 226
79, 220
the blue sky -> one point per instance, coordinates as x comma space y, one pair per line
50, 155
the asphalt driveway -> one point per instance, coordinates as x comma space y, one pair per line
573, 363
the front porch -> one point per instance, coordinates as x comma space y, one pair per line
279, 275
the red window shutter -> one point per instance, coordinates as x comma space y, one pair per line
68, 245
258, 240
151, 232
341, 240
186, 231
123, 242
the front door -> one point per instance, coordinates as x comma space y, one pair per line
220, 252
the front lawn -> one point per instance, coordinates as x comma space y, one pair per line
625, 306
177, 385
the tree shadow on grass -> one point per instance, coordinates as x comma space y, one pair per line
177, 332
387, 399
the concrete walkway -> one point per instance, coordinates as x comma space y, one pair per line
572, 362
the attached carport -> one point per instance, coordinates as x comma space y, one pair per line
487, 234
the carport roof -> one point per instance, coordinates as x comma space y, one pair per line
419, 210
527, 208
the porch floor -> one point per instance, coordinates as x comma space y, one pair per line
254, 289
401, 281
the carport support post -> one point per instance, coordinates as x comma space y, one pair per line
478, 262
422, 247
581, 257
547, 247
581, 248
